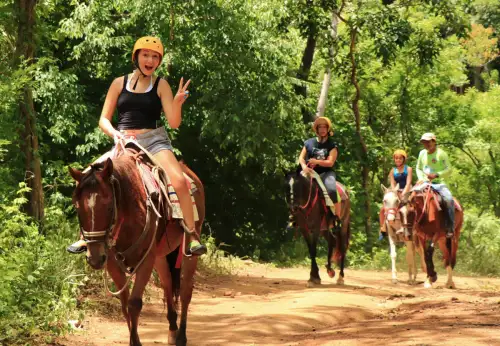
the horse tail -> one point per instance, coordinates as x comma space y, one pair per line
175, 273
459, 219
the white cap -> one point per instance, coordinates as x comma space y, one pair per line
428, 137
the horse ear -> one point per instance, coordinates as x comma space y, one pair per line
75, 174
397, 187
107, 170
384, 189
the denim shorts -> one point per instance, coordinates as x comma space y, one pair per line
154, 141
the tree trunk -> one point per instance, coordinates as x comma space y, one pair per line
305, 66
25, 48
477, 80
323, 97
365, 170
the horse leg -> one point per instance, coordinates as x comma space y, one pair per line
120, 280
312, 240
446, 248
431, 273
420, 250
410, 260
342, 245
187, 283
449, 282
135, 301
394, 254
331, 243
163, 271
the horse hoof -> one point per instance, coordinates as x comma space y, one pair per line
434, 278
427, 284
181, 342
331, 273
172, 334
411, 282
340, 281
450, 285
394, 281
313, 283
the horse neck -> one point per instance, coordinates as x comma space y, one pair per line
131, 196
306, 188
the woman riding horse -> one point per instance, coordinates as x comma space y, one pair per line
140, 98
319, 154
400, 177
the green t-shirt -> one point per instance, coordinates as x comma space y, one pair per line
437, 162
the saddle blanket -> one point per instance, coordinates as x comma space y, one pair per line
341, 192
156, 182
423, 186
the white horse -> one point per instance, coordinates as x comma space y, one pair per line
395, 219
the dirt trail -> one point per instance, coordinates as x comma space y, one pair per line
274, 307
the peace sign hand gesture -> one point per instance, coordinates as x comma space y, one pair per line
182, 92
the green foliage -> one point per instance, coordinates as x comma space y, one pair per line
242, 125
39, 281
480, 244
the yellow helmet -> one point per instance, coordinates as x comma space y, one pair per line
400, 152
322, 121
148, 42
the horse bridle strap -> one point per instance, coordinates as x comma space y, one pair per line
427, 197
120, 256
104, 232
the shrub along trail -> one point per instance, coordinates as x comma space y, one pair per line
269, 306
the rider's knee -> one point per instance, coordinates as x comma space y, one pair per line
179, 183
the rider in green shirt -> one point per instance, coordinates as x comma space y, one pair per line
433, 166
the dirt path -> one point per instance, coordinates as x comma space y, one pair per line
274, 307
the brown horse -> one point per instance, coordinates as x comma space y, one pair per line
307, 204
125, 234
430, 229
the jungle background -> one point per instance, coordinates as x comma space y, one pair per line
384, 72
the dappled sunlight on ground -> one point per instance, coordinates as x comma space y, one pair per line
267, 306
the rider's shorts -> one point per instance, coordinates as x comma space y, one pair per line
155, 141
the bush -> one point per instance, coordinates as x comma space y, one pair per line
39, 279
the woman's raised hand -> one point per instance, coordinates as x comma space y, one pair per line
182, 92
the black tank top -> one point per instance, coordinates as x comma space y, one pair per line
138, 110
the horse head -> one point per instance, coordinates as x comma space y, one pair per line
391, 202
297, 188
95, 201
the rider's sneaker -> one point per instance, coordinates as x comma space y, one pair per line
291, 225
196, 248
449, 234
337, 223
77, 247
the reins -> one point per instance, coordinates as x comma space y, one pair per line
427, 197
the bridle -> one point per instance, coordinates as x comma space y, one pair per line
393, 210
102, 235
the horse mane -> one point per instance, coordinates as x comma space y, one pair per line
123, 166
